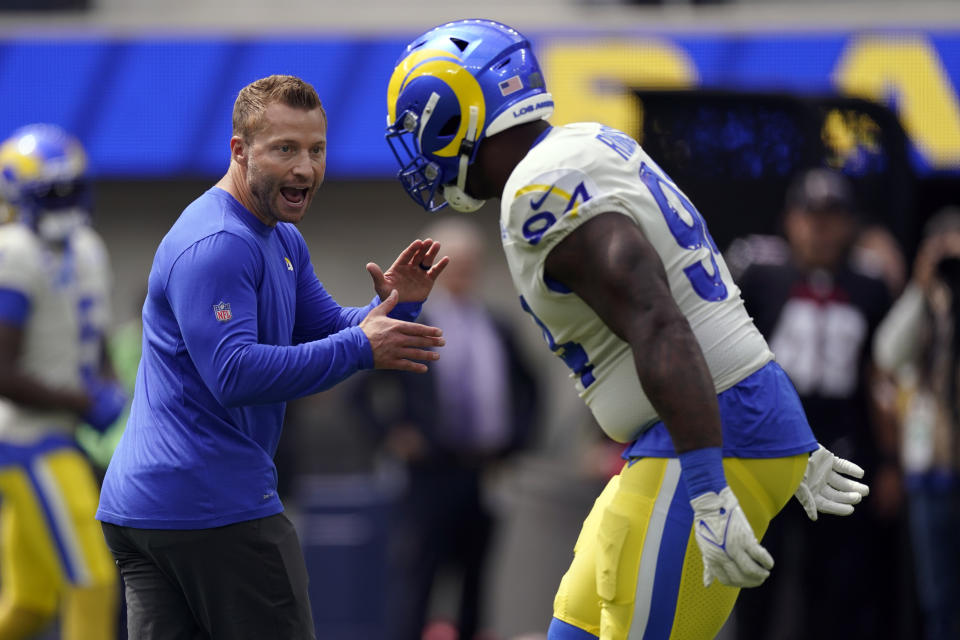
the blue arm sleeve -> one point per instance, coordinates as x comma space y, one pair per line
408, 311
236, 368
14, 307
318, 315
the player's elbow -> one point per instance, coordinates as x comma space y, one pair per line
659, 325
9, 378
664, 346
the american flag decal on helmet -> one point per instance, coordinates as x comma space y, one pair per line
222, 311
510, 85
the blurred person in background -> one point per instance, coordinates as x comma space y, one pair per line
235, 324
94, 285
120, 348
616, 267
918, 342
877, 252
52, 555
819, 313
7, 213
451, 429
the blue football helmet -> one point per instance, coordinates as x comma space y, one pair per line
43, 175
454, 86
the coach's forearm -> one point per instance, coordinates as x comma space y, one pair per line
263, 374
318, 323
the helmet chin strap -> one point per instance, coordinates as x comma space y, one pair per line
456, 195
425, 116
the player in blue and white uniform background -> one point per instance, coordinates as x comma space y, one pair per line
617, 268
94, 283
52, 554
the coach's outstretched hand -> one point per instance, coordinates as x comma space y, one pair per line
825, 487
412, 274
397, 344
730, 550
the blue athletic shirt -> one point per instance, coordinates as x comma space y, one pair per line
235, 324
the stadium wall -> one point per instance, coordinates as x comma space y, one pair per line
157, 106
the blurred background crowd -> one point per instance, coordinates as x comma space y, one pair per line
821, 142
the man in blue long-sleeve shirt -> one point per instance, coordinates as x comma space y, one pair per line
235, 324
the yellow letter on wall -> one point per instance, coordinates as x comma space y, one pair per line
590, 80
908, 69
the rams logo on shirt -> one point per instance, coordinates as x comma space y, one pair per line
289, 264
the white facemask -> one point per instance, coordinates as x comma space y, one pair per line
58, 226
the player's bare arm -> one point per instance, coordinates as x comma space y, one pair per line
24, 390
609, 263
98, 405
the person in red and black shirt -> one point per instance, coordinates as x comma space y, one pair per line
819, 311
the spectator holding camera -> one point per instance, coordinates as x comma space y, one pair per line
919, 342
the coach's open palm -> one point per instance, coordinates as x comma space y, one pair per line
412, 274
731, 553
397, 344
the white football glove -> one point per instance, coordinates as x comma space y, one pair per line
824, 489
731, 553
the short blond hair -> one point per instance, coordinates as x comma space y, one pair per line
253, 99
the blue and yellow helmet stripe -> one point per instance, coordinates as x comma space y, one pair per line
447, 68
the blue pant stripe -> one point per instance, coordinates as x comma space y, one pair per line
666, 581
560, 630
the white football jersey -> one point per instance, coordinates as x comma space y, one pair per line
581, 170
50, 351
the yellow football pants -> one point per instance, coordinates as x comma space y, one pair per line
53, 558
637, 572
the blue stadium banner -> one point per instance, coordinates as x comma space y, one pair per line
159, 106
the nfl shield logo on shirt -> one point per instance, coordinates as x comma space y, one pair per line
222, 311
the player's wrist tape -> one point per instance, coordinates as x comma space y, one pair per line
702, 471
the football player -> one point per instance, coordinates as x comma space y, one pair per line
94, 283
53, 558
616, 266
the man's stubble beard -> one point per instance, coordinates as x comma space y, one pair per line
260, 188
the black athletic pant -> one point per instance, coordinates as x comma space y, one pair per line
244, 580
